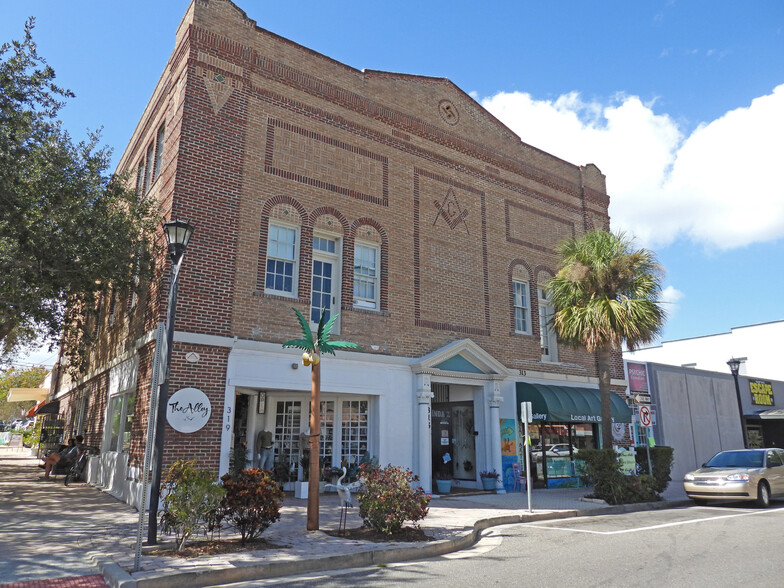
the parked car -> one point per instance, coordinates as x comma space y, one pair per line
554, 450
741, 474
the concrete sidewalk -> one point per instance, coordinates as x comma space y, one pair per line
50, 531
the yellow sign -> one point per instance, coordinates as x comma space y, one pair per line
761, 392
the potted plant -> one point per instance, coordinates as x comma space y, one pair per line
301, 486
443, 483
489, 479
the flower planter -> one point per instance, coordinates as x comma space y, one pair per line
488, 483
301, 490
444, 486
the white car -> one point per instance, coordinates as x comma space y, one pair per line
556, 450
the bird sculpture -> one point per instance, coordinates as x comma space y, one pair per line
344, 492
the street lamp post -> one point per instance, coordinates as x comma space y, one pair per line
734, 364
178, 235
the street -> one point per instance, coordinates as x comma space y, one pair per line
724, 545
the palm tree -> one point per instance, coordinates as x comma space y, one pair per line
313, 348
605, 292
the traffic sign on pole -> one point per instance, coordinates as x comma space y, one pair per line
645, 415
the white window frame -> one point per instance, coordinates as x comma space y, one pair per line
547, 337
294, 261
336, 260
123, 431
524, 308
366, 302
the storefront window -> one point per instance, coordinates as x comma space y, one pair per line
354, 430
121, 408
288, 417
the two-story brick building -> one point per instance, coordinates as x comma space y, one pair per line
394, 200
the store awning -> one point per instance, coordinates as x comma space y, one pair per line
23, 394
776, 413
48, 408
570, 404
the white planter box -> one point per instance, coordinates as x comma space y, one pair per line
301, 490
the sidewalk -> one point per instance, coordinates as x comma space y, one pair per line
50, 531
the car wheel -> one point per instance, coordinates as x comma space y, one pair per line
763, 495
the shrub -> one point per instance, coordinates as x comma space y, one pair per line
662, 457
490, 474
191, 498
252, 502
387, 498
602, 470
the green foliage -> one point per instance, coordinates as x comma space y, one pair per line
191, 498
661, 458
387, 498
252, 502
606, 292
490, 474
18, 378
69, 231
238, 460
281, 472
602, 470
321, 342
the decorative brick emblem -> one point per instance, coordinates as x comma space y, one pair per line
448, 112
219, 88
449, 209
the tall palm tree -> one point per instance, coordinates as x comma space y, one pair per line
605, 292
313, 347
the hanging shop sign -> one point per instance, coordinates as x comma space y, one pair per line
638, 377
188, 410
761, 392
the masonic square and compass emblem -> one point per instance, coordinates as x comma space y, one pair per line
449, 209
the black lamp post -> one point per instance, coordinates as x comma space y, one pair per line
178, 235
734, 364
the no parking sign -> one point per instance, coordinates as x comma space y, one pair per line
645, 415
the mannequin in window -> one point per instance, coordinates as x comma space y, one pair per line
264, 450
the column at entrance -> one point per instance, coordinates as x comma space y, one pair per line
425, 468
495, 433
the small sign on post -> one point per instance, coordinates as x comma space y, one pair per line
527, 416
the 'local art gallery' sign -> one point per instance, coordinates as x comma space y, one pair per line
188, 410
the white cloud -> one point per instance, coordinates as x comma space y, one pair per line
719, 186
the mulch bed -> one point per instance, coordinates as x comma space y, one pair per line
212, 547
406, 535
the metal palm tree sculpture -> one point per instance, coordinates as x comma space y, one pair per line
313, 348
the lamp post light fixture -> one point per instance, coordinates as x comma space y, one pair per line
734, 364
178, 235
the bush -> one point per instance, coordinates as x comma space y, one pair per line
191, 498
662, 458
252, 502
602, 470
387, 498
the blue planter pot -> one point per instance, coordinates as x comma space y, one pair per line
444, 486
488, 483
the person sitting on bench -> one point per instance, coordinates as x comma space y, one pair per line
65, 457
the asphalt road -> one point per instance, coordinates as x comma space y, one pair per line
727, 545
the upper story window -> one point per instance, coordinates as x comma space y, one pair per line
546, 328
148, 164
366, 288
158, 153
522, 307
325, 284
281, 276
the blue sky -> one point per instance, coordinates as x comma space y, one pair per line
680, 103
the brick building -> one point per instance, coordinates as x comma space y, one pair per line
394, 200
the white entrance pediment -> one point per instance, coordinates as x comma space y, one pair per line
462, 356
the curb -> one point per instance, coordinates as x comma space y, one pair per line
117, 577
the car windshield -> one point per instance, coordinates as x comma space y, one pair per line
737, 459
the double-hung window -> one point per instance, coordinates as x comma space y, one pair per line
546, 328
522, 307
121, 412
281, 275
366, 288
